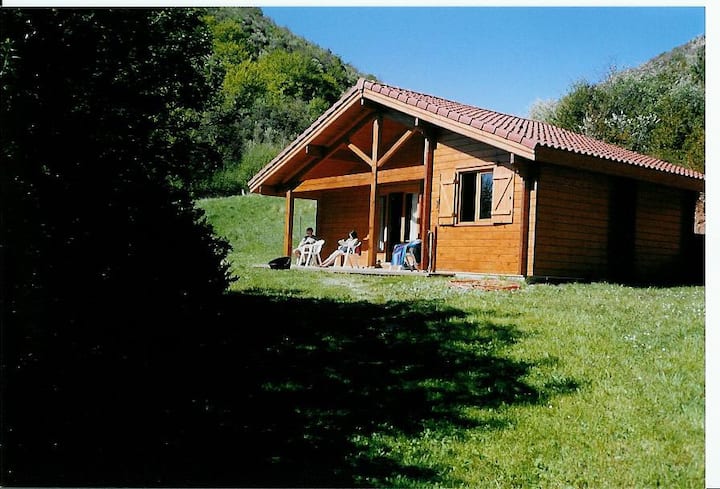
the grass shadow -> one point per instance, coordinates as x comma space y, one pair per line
277, 392
313, 375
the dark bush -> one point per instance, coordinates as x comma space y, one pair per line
110, 274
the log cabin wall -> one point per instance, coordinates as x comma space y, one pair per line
571, 223
338, 213
662, 228
598, 227
476, 248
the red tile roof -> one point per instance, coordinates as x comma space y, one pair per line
529, 133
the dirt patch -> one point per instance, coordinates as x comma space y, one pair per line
484, 284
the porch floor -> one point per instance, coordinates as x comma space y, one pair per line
373, 271
419, 273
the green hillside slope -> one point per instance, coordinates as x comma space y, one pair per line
272, 84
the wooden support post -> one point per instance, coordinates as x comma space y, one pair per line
428, 162
526, 170
372, 240
289, 214
532, 224
523, 172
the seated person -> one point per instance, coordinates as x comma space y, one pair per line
343, 246
308, 239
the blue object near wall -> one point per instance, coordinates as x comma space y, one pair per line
401, 251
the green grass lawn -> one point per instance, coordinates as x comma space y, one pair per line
410, 382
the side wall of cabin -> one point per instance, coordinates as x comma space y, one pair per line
666, 246
571, 223
599, 227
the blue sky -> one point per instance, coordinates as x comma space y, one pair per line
498, 58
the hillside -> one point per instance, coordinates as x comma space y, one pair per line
271, 85
685, 60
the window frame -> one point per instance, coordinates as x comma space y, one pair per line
480, 204
450, 195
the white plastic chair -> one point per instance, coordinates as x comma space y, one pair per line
350, 258
304, 251
310, 254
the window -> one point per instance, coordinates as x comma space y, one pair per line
476, 199
476, 195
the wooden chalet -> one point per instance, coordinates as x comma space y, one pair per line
486, 192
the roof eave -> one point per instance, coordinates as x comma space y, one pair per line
350, 97
558, 156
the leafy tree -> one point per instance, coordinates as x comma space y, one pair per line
571, 111
274, 84
657, 109
108, 268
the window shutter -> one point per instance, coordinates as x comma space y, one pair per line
502, 206
446, 207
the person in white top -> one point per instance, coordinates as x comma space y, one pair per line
343, 246
308, 239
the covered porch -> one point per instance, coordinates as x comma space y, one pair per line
369, 169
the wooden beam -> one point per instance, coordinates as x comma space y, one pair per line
359, 153
376, 134
404, 119
330, 149
291, 184
376, 140
396, 175
315, 150
395, 147
428, 163
289, 211
330, 183
344, 137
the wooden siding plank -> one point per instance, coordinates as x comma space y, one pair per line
658, 230
339, 212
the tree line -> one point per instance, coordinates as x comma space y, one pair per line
656, 109
272, 85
